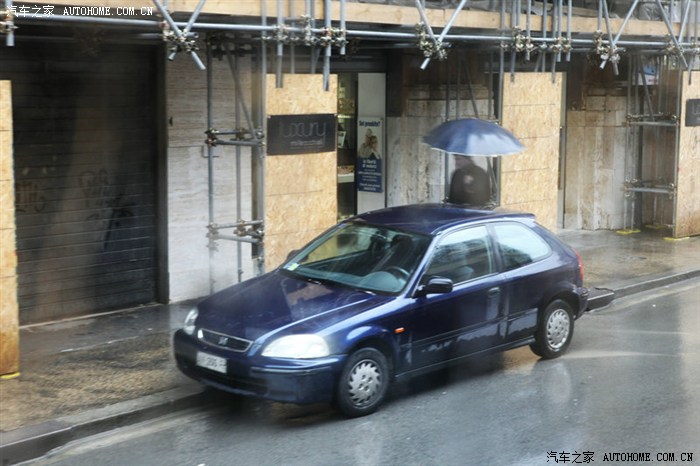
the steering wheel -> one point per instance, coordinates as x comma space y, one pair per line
398, 272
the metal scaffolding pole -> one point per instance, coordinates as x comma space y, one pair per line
342, 25
311, 17
240, 103
676, 150
210, 171
280, 46
259, 159
327, 51
7, 26
514, 25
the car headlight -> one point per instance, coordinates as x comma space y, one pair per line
188, 326
305, 346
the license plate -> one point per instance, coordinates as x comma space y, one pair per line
211, 362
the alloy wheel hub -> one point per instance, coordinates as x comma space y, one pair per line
364, 382
558, 329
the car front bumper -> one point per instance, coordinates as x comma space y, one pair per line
291, 381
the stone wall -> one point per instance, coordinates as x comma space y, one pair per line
595, 161
688, 197
9, 312
193, 272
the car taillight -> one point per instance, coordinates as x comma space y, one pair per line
580, 265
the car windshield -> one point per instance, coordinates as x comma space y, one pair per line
368, 257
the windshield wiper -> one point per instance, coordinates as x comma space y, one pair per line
309, 278
327, 281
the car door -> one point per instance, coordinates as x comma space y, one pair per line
465, 321
529, 275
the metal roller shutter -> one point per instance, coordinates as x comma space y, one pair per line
85, 157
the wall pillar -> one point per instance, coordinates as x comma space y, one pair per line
300, 190
9, 311
532, 112
688, 194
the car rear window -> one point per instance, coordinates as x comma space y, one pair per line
463, 255
519, 245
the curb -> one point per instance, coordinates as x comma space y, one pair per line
602, 297
656, 283
32, 442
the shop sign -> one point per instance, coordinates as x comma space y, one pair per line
301, 134
692, 112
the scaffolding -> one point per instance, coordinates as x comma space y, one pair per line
251, 135
553, 39
530, 36
651, 151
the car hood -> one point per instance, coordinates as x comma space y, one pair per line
277, 301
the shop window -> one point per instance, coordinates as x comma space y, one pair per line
347, 144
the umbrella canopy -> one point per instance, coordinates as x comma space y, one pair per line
472, 136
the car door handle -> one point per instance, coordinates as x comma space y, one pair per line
493, 292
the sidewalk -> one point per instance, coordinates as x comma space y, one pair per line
91, 375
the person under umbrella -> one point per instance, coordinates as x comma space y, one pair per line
465, 138
470, 184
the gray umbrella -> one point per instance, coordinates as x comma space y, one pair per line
472, 136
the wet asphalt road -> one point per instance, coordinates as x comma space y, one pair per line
630, 384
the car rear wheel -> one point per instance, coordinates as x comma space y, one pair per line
363, 383
556, 328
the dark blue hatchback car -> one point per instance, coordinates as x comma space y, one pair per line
382, 296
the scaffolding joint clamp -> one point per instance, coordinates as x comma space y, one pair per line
611, 54
212, 233
281, 35
695, 47
606, 51
672, 47
7, 23
430, 48
309, 39
178, 42
332, 36
211, 139
520, 43
563, 45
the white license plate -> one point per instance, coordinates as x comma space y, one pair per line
211, 362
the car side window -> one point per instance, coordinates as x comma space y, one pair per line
463, 255
518, 245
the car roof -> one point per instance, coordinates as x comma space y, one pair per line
432, 218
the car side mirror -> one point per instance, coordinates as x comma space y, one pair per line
434, 285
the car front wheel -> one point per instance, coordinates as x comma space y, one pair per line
363, 383
555, 330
